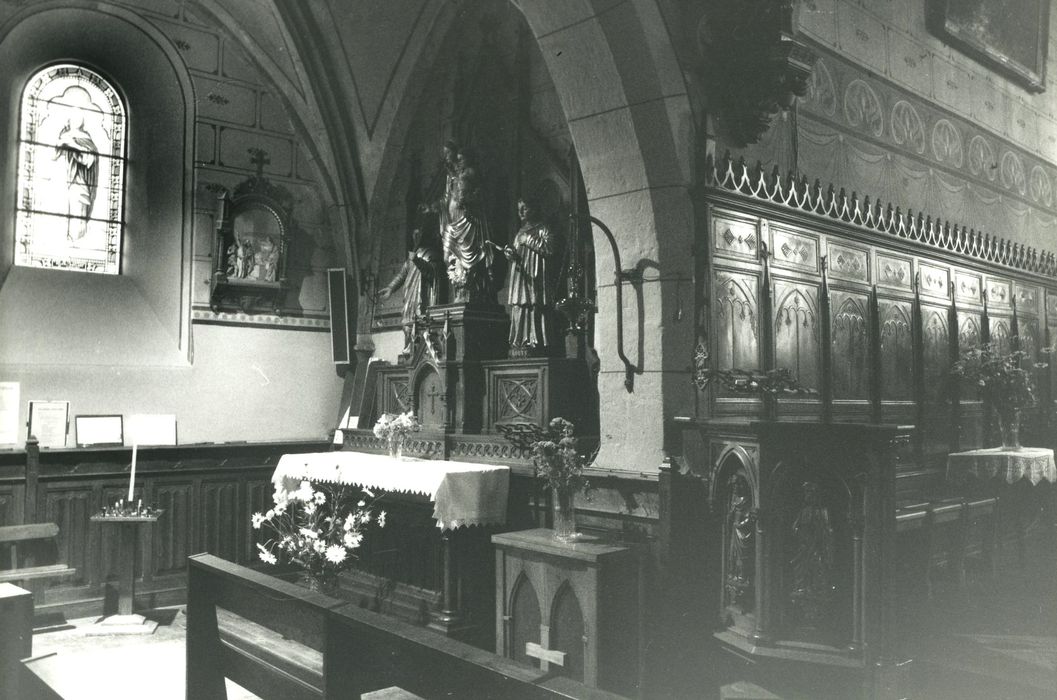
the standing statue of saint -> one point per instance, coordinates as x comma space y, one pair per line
418, 277
812, 561
741, 546
528, 298
82, 177
464, 227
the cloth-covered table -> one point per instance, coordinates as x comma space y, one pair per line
463, 493
1035, 463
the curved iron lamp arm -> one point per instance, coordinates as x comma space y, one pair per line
620, 276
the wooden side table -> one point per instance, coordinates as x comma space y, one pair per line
570, 606
126, 528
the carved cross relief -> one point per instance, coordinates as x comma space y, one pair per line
540, 651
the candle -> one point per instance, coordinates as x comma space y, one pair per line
132, 474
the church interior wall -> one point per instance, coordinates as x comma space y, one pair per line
894, 113
132, 334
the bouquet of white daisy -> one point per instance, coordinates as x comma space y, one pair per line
319, 527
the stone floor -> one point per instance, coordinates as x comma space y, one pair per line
999, 641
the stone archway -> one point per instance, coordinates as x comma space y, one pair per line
624, 98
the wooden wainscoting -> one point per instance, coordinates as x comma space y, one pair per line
208, 493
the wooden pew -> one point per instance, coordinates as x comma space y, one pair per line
31, 553
362, 651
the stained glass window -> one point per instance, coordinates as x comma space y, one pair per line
71, 172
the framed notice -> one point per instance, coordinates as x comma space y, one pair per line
48, 421
9, 412
98, 430
1010, 37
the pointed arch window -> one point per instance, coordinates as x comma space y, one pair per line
71, 172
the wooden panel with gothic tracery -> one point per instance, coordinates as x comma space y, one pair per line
735, 317
797, 333
897, 357
850, 330
1000, 331
936, 353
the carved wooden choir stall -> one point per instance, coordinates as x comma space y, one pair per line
789, 529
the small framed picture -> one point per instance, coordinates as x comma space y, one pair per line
48, 422
99, 430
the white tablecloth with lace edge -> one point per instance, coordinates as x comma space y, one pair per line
463, 493
1035, 463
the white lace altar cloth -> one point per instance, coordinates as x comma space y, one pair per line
463, 493
1035, 463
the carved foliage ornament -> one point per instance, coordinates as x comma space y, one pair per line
751, 64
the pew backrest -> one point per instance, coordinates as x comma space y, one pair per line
29, 552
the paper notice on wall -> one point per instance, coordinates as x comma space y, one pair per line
9, 392
151, 429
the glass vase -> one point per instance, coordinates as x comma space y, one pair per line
327, 583
564, 514
1009, 424
396, 446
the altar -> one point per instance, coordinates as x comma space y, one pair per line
434, 567
462, 493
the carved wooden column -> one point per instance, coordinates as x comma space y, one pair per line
827, 345
770, 403
764, 578
449, 618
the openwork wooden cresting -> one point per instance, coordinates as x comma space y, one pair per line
798, 192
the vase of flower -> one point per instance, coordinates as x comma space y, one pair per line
564, 514
560, 465
396, 445
1009, 424
317, 526
1005, 380
394, 429
325, 583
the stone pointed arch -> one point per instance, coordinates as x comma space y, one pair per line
623, 95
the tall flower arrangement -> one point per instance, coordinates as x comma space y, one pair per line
1005, 380
319, 527
556, 458
559, 464
1002, 377
394, 429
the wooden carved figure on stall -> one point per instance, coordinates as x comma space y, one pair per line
528, 298
812, 563
418, 277
741, 545
464, 227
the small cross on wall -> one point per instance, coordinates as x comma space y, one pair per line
546, 656
259, 158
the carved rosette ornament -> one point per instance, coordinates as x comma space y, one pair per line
752, 65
